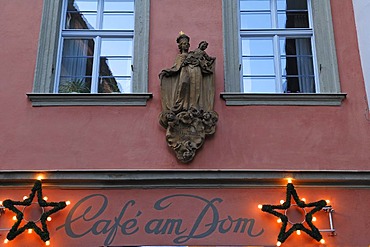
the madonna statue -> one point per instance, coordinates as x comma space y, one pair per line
187, 94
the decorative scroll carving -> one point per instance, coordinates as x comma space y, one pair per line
187, 94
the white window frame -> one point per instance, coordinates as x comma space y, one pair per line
327, 76
45, 71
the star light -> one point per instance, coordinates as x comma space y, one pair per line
43, 231
312, 231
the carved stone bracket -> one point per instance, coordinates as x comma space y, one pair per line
186, 131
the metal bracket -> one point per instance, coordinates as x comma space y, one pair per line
330, 212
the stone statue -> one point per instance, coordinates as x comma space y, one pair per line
187, 94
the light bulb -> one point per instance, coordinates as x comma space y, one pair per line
298, 232
14, 217
314, 218
25, 197
303, 199
6, 241
260, 206
281, 201
40, 177
290, 180
322, 241
327, 201
68, 202
45, 198
278, 220
29, 231
278, 243
1, 203
48, 219
47, 243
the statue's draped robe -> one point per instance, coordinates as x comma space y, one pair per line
189, 84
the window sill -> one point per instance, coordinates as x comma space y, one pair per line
82, 99
299, 99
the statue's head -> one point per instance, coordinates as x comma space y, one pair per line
183, 42
203, 45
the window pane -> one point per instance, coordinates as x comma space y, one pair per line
293, 19
292, 4
116, 47
295, 65
255, 20
82, 5
254, 5
299, 84
118, 5
81, 14
74, 84
257, 47
115, 85
258, 66
118, 21
113, 66
295, 46
77, 58
259, 85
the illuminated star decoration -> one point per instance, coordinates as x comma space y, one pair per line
291, 192
43, 231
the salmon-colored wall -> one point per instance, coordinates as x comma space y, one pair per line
247, 137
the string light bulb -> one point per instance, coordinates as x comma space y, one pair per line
290, 180
322, 241
40, 177
29, 231
25, 197
68, 202
260, 206
327, 201
45, 198
298, 232
14, 217
278, 243
49, 218
314, 218
303, 199
6, 241
47, 243
278, 220
282, 201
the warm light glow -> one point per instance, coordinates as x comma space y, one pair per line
314, 218
298, 232
47, 243
281, 201
45, 198
29, 231
68, 202
260, 206
278, 220
327, 201
303, 199
290, 180
322, 241
40, 177
1, 203
25, 197
48, 219
278, 243
6, 241
14, 217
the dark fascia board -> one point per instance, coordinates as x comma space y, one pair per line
87, 99
136, 179
299, 99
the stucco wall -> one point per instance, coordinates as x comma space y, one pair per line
247, 137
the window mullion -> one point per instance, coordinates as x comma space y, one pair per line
274, 18
277, 63
96, 65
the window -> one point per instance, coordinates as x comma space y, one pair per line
279, 52
97, 53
